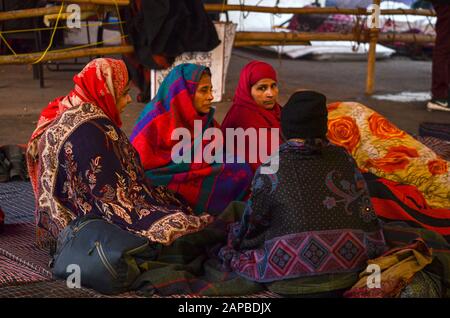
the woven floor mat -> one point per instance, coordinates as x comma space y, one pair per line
17, 201
18, 242
58, 289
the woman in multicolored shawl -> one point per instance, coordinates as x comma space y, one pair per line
81, 162
311, 217
183, 102
255, 106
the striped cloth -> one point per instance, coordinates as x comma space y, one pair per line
440, 146
437, 130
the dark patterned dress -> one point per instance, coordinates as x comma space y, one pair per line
88, 165
311, 217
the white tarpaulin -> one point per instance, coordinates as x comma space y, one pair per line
217, 60
332, 50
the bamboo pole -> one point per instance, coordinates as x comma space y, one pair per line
53, 56
240, 42
278, 10
27, 13
269, 43
64, 16
370, 79
382, 38
313, 10
38, 12
293, 36
406, 38
287, 37
242, 39
424, 12
99, 2
371, 58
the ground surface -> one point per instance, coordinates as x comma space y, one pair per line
21, 99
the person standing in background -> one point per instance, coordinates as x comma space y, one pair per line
441, 58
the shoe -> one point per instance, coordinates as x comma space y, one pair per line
15, 155
438, 104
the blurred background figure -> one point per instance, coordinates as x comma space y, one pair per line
441, 58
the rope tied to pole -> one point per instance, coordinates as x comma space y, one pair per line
53, 35
410, 28
357, 30
7, 44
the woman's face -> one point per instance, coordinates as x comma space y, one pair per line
124, 99
203, 95
265, 93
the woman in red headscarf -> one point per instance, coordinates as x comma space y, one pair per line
255, 106
81, 162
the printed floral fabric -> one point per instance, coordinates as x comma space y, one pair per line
87, 165
381, 148
100, 82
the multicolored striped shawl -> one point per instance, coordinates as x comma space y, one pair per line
208, 187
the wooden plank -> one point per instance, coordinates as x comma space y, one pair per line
91, 5
293, 36
285, 37
38, 12
371, 58
53, 56
276, 10
314, 10
268, 43
99, 2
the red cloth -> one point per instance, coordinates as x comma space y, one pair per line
2, 220
401, 202
100, 82
245, 113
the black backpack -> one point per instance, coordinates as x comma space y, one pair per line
106, 257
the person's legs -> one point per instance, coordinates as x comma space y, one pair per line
449, 77
441, 55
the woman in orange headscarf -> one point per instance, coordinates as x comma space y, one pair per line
81, 162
